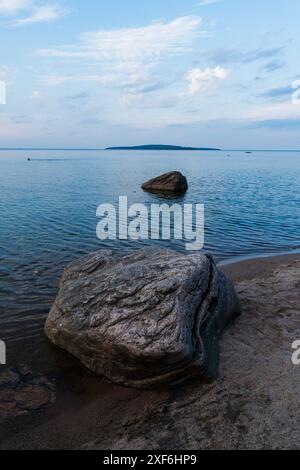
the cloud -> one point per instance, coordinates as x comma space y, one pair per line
278, 92
273, 66
276, 111
127, 59
134, 44
200, 79
278, 124
150, 42
228, 56
78, 97
40, 14
11, 7
31, 11
134, 87
144, 87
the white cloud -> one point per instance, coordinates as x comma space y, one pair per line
128, 59
134, 44
149, 42
31, 11
40, 14
201, 79
2, 92
11, 7
286, 110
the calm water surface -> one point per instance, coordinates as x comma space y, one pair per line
48, 214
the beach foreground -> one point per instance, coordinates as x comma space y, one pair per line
254, 403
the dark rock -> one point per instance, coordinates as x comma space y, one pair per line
22, 392
149, 318
173, 182
255, 402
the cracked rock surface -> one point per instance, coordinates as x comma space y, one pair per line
254, 403
151, 318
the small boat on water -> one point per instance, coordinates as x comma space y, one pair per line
249, 153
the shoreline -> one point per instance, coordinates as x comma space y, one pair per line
253, 257
245, 268
42, 354
91, 413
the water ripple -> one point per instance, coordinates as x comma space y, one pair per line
48, 214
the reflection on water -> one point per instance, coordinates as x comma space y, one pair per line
48, 213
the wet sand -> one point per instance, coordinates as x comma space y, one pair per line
254, 403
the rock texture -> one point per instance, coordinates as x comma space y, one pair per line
22, 392
255, 402
170, 183
147, 319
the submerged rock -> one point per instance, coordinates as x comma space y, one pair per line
173, 182
22, 392
146, 319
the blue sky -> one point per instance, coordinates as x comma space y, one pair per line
212, 73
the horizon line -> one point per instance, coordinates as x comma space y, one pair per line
104, 149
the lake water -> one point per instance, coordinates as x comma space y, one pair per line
48, 214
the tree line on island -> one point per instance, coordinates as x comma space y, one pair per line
161, 147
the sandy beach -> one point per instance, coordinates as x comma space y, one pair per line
253, 404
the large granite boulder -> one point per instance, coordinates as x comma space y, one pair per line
146, 319
170, 183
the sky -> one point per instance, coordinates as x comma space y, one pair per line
92, 74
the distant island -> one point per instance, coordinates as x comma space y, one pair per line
162, 147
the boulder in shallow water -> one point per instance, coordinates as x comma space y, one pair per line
170, 183
151, 318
